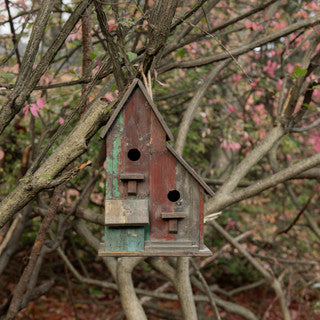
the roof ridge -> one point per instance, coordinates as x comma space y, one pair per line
125, 98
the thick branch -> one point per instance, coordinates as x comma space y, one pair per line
19, 290
112, 48
221, 201
73, 146
189, 115
159, 28
129, 300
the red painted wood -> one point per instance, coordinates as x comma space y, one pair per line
136, 116
132, 187
162, 180
201, 217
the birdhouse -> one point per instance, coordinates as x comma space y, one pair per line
154, 200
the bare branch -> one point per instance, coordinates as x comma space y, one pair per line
23, 89
308, 22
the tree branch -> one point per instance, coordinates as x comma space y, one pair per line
23, 89
243, 49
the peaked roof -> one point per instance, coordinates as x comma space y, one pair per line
186, 165
122, 103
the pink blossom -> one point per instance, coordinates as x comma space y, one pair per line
231, 224
277, 15
231, 108
61, 120
254, 84
280, 25
316, 93
315, 141
230, 145
1, 154
290, 67
112, 27
254, 26
279, 85
73, 36
109, 96
41, 102
34, 107
270, 67
313, 5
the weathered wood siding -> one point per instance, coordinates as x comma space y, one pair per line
141, 170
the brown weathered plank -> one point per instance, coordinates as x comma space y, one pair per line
132, 176
132, 187
173, 215
127, 212
165, 253
173, 226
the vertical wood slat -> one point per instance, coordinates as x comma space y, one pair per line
132, 187
173, 226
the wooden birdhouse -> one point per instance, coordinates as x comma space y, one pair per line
154, 200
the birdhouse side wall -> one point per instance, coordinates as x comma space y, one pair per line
201, 217
188, 187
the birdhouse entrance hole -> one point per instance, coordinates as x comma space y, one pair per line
134, 154
173, 195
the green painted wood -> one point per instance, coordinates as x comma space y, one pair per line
124, 239
114, 160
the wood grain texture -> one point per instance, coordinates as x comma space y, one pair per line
173, 215
141, 170
136, 114
136, 83
155, 253
133, 212
128, 239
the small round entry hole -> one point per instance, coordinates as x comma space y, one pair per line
173, 195
134, 154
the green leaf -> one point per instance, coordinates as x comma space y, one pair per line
181, 52
299, 72
48, 176
131, 56
308, 106
72, 72
24, 179
7, 75
92, 55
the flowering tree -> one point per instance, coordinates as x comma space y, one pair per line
238, 82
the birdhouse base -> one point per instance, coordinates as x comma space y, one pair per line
158, 251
